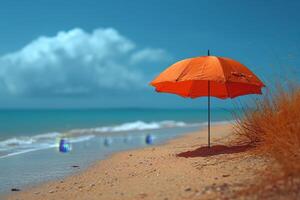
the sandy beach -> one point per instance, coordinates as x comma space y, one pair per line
183, 168
149, 100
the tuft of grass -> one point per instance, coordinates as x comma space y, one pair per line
273, 127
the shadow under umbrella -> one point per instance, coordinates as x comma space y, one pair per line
214, 150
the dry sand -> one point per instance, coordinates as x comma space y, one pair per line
180, 169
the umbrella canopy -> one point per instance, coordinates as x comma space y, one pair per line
190, 78
208, 76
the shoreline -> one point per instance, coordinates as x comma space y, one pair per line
83, 154
143, 173
79, 170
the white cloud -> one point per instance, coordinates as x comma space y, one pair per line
75, 63
152, 55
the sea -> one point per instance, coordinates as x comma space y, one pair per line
30, 138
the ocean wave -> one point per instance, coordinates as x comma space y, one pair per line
19, 145
134, 126
16, 141
24, 144
28, 140
140, 125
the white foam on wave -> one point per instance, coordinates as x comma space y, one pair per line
81, 139
19, 145
28, 141
135, 126
47, 135
16, 141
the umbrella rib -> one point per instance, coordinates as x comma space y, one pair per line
221, 69
191, 89
225, 81
183, 71
228, 94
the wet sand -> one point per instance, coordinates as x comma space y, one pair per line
183, 168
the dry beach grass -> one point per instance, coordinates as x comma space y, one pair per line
273, 127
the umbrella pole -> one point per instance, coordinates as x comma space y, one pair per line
208, 104
208, 113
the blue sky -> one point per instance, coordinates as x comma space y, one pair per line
66, 54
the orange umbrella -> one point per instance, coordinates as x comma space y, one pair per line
208, 76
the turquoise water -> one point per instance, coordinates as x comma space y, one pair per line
29, 138
31, 122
